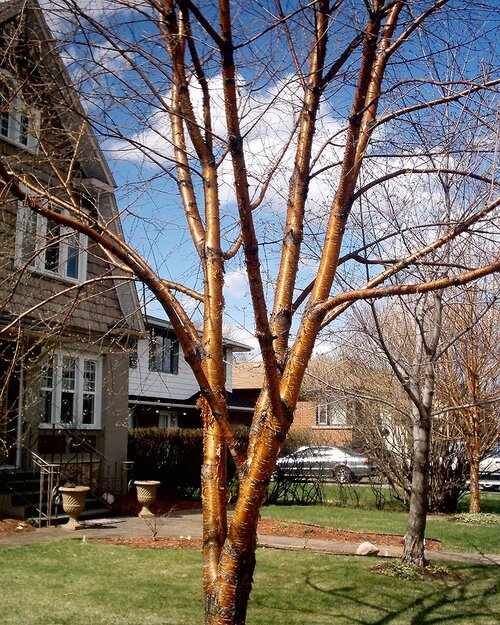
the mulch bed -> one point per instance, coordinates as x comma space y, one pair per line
304, 530
14, 526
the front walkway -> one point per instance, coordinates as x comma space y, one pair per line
183, 523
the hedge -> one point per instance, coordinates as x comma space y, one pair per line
174, 456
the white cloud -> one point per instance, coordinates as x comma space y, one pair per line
268, 120
235, 285
61, 13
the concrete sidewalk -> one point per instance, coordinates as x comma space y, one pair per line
189, 523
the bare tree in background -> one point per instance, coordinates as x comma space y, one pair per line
468, 382
273, 120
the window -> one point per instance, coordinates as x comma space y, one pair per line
70, 391
332, 413
45, 246
167, 419
19, 123
164, 352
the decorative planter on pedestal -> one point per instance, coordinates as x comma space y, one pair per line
73, 504
146, 494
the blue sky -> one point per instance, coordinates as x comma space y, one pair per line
120, 103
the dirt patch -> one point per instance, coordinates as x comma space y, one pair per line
271, 527
158, 543
14, 526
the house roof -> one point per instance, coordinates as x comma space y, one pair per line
248, 375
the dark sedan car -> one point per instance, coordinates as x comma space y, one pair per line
326, 464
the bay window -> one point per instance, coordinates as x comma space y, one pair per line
70, 391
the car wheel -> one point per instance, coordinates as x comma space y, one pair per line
343, 475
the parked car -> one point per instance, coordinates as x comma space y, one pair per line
325, 464
489, 470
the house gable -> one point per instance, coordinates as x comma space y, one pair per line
100, 307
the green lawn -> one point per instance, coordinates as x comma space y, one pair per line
454, 536
75, 583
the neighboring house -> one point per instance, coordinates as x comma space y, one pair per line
67, 316
163, 389
327, 419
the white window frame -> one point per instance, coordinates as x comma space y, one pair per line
15, 108
327, 414
37, 260
79, 392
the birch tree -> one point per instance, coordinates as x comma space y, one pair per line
268, 124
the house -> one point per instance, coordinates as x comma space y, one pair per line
68, 315
163, 389
324, 418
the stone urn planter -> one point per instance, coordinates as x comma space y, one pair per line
73, 501
146, 494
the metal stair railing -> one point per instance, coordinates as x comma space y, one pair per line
48, 483
49, 475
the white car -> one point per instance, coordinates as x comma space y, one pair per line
326, 464
489, 470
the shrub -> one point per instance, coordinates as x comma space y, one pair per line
174, 457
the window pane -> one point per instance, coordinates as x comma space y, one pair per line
68, 374
24, 124
321, 414
47, 377
159, 352
89, 370
337, 413
167, 355
4, 124
174, 357
133, 357
45, 406
88, 409
72, 262
52, 241
4, 113
29, 236
67, 407
167, 420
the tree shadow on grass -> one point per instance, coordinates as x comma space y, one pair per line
467, 597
